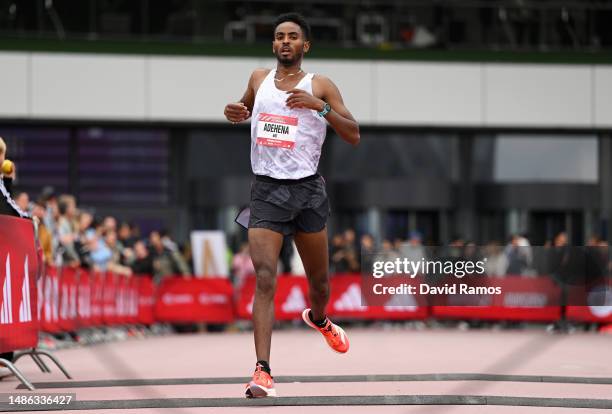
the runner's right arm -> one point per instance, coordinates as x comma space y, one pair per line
241, 111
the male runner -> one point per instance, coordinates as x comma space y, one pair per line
290, 110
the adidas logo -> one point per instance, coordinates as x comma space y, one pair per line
6, 314
350, 300
68, 310
295, 301
51, 295
600, 296
601, 311
25, 308
84, 301
401, 303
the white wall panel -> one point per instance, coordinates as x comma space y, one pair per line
80, 86
428, 93
538, 95
603, 96
14, 84
196, 89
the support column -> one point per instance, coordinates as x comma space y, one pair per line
374, 220
466, 202
605, 185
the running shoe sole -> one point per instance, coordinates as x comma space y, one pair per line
257, 391
306, 319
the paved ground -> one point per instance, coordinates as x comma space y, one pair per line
386, 371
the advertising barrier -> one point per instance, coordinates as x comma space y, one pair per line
194, 300
521, 299
18, 298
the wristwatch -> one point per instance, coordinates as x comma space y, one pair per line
325, 111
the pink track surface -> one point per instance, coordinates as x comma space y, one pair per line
373, 351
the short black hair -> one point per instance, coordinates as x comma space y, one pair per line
297, 19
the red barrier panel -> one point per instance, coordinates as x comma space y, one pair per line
133, 300
18, 269
122, 300
602, 314
290, 300
68, 299
194, 300
109, 304
599, 294
346, 302
84, 299
146, 300
97, 299
524, 299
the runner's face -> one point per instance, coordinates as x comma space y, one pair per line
289, 44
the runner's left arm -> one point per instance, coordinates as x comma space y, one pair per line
340, 118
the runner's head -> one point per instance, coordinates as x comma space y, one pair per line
291, 38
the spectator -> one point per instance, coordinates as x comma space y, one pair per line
85, 221
44, 235
413, 250
23, 201
99, 253
143, 262
349, 239
124, 234
497, 261
66, 230
344, 254
242, 265
367, 253
335, 254
116, 264
109, 224
517, 257
173, 247
164, 261
48, 200
560, 239
388, 252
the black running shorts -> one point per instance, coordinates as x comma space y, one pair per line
289, 206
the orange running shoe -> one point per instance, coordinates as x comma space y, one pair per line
262, 385
334, 335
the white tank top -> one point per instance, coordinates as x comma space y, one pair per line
285, 143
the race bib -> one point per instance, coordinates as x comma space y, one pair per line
276, 130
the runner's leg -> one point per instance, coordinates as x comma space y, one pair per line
265, 246
314, 253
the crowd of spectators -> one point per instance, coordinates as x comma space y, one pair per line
516, 257
77, 237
